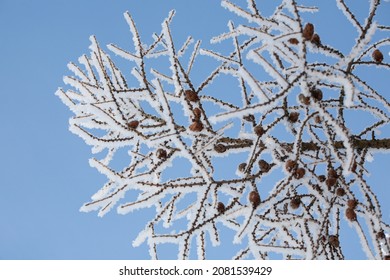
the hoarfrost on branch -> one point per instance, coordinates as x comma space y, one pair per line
290, 122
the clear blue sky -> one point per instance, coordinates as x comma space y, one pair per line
44, 172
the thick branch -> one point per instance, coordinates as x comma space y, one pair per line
231, 143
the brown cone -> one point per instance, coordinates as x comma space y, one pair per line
332, 173
133, 124
321, 178
191, 95
220, 148
196, 126
254, 198
259, 130
352, 203
220, 207
242, 167
308, 31
340, 192
377, 56
264, 166
304, 99
293, 41
350, 214
295, 202
334, 241
315, 39
161, 154
316, 94
381, 235
293, 117
291, 165
197, 113
299, 173
330, 182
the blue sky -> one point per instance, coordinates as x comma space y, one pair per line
45, 175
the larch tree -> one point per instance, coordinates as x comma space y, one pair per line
291, 121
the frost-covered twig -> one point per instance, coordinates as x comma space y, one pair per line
291, 122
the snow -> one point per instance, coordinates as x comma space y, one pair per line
347, 13
268, 68
103, 105
133, 30
123, 53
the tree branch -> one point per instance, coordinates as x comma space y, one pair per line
231, 143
